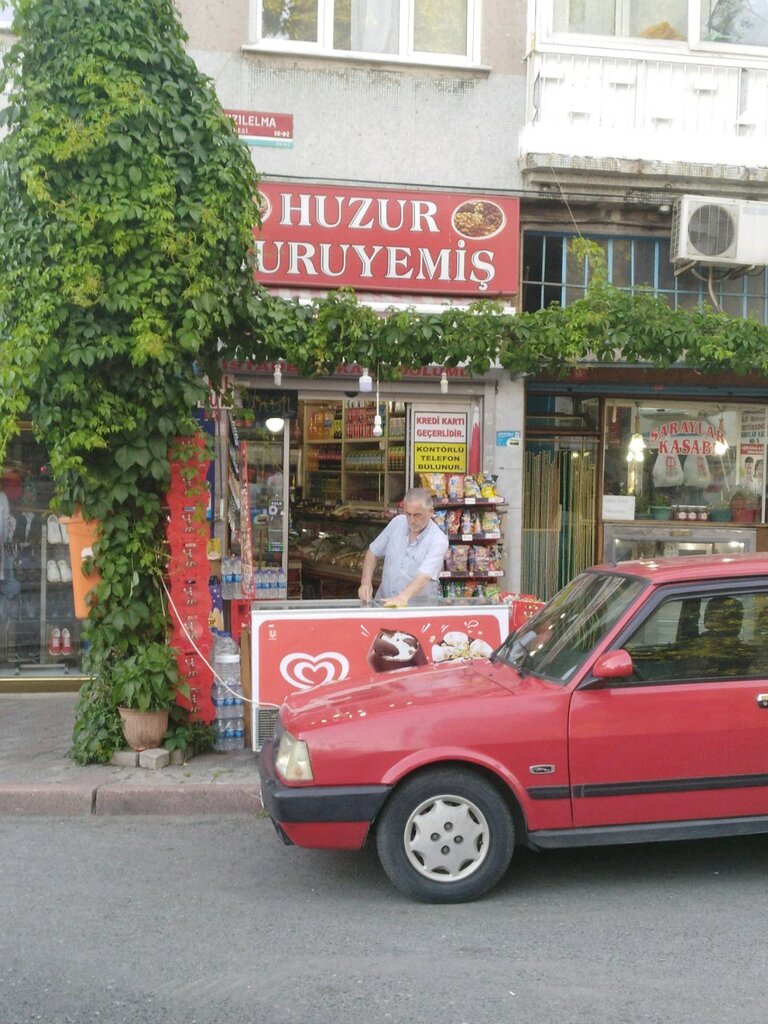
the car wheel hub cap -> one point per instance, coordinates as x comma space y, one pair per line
446, 838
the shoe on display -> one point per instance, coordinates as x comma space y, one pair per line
54, 530
66, 642
64, 571
63, 532
52, 571
54, 644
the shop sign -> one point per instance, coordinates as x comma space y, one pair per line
440, 442
282, 404
508, 438
440, 243
296, 650
259, 128
685, 437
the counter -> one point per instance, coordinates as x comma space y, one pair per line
298, 645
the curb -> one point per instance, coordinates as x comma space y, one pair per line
41, 798
85, 800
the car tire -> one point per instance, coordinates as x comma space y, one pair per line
445, 836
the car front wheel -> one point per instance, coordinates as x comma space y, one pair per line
445, 836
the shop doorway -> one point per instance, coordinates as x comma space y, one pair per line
561, 463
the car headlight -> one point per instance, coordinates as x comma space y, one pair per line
292, 759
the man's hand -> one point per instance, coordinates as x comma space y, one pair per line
365, 592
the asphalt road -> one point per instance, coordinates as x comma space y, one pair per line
208, 921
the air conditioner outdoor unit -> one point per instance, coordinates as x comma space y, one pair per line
728, 232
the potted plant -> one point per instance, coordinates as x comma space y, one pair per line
642, 507
744, 505
661, 506
144, 688
720, 512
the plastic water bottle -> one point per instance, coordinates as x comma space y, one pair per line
282, 585
237, 579
238, 733
226, 664
220, 741
226, 578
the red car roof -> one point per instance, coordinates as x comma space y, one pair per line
692, 567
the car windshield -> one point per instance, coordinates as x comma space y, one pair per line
555, 642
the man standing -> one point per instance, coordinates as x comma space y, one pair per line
413, 549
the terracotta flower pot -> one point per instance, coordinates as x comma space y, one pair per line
143, 730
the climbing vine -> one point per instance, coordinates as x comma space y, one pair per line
607, 325
125, 226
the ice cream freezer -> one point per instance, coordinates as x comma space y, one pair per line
299, 645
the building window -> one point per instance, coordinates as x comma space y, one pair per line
735, 22
551, 273
402, 29
744, 22
652, 19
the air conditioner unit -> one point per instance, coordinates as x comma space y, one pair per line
728, 232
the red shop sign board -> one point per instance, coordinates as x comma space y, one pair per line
437, 243
297, 650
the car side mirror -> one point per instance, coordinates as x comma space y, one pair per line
613, 665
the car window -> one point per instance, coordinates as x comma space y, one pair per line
702, 637
556, 641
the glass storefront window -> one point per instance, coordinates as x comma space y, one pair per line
697, 461
39, 634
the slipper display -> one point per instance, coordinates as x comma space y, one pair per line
54, 530
52, 571
64, 571
66, 642
54, 644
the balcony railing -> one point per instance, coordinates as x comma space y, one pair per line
657, 111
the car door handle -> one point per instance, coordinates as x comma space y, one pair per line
762, 700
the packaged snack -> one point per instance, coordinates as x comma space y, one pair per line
438, 516
471, 486
476, 523
455, 487
435, 484
457, 559
466, 522
488, 486
453, 522
489, 521
480, 559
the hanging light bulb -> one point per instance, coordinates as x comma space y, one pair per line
278, 373
444, 382
377, 428
636, 451
721, 444
365, 383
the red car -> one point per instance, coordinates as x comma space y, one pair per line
633, 707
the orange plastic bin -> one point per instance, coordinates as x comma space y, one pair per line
83, 534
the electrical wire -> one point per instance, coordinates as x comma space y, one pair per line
188, 635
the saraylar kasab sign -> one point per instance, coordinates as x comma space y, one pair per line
441, 243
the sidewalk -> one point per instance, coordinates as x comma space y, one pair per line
37, 777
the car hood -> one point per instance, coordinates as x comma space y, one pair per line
383, 693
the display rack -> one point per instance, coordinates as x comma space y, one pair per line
345, 462
468, 533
